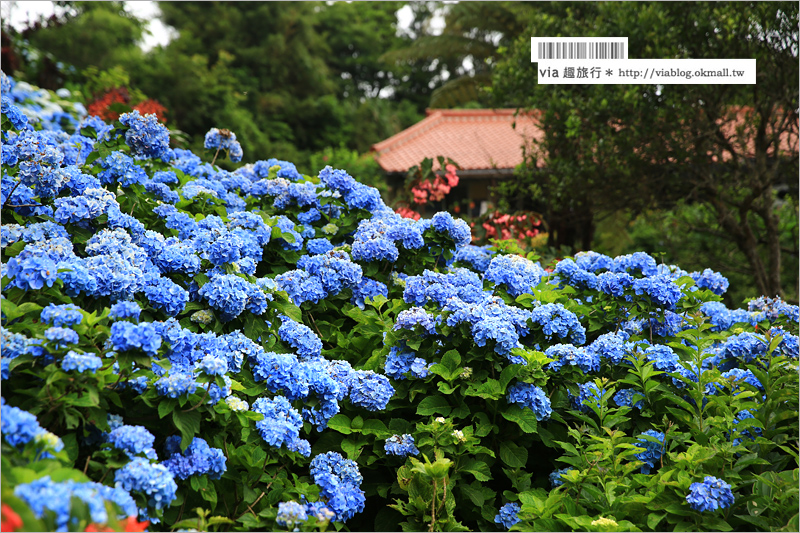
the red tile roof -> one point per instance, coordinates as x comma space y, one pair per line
483, 139
476, 139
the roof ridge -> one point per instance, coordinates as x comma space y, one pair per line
402, 137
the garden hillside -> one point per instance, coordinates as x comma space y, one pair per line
273, 348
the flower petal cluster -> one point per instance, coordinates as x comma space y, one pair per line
652, 450
532, 397
402, 445
153, 480
508, 515
710, 495
198, 459
340, 483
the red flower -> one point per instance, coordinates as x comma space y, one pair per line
152, 106
11, 520
132, 525
408, 213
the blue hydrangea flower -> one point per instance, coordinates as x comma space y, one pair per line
416, 316
593, 261
61, 337
132, 439
125, 309
318, 246
567, 272
81, 362
213, 365
746, 347
176, 384
661, 290
519, 275
624, 397
13, 113
610, 346
532, 397
370, 390
508, 515
555, 477
588, 394
475, 256
713, 281
402, 445
146, 136
198, 459
18, 427
127, 336
635, 263
567, 354
663, 357
340, 483
710, 495
153, 480
281, 424
557, 321
222, 139
300, 337
290, 513
61, 315
652, 450
44, 494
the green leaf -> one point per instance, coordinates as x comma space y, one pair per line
476, 493
508, 373
513, 455
340, 423
166, 406
433, 405
377, 428
524, 418
653, 519
188, 423
479, 469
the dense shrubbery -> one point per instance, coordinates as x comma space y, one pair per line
265, 349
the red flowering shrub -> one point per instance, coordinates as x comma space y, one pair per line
102, 105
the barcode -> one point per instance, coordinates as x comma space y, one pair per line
576, 50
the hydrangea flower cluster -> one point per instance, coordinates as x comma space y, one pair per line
340, 483
20, 427
402, 445
153, 480
710, 495
508, 515
518, 274
290, 513
133, 440
555, 477
222, 139
532, 397
81, 362
62, 315
567, 354
198, 459
44, 494
652, 450
281, 424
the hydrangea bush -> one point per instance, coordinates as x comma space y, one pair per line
264, 349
